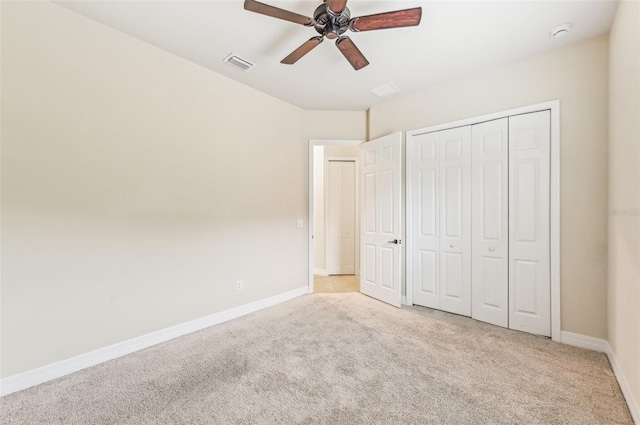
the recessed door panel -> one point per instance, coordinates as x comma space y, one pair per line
526, 177
452, 202
494, 279
369, 261
369, 210
370, 158
427, 192
490, 255
427, 151
493, 186
427, 271
387, 258
525, 278
452, 275
453, 146
387, 206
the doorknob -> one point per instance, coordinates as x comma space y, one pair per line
491, 249
395, 241
451, 245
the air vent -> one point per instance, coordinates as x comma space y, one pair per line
239, 62
560, 31
385, 90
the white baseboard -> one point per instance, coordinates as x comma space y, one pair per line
634, 407
583, 341
52, 371
320, 272
601, 345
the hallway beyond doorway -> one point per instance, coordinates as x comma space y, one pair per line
336, 283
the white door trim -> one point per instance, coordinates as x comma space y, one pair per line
312, 143
554, 107
356, 162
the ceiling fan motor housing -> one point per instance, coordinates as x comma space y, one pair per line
329, 24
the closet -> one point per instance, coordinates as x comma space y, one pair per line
341, 216
479, 214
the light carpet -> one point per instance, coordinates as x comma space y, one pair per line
336, 359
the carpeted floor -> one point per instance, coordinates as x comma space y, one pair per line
336, 359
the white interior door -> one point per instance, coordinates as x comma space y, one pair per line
529, 249
381, 218
341, 208
490, 233
441, 217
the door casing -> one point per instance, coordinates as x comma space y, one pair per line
312, 143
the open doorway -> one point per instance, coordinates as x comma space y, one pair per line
334, 216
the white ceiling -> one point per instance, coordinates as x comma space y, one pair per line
454, 39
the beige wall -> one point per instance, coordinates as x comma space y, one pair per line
342, 151
577, 75
342, 125
624, 192
137, 188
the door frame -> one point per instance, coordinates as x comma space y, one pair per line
554, 237
356, 162
312, 144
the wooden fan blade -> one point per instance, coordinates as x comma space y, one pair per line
306, 47
352, 53
265, 9
381, 21
337, 6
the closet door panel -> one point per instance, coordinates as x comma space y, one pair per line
490, 243
455, 223
529, 269
425, 216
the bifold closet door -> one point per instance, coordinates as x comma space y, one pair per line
529, 249
490, 233
441, 213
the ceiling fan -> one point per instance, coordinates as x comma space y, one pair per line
332, 19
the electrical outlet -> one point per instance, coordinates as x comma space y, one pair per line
238, 284
299, 224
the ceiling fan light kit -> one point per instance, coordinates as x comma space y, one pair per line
331, 20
